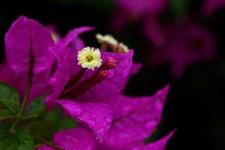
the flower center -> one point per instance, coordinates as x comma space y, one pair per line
89, 58
74, 89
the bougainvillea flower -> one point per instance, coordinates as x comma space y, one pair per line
86, 83
28, 60
72, 139
210, 6
180, 45
97, 105
83, 93
133, 10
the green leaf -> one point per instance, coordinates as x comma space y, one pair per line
9, 98
6, 114
21, 140
58, 121
68, 123
5, 125
41, 129
36, 108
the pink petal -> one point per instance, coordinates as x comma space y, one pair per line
45, 147
26, 45
135, 119
96, 115
210, 6
74, 139
71, 35
157, 145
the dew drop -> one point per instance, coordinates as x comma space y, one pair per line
158, 106
97, 138
107, 119
126, 108
150, 124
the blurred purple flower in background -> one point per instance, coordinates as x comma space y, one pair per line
180, 44
210, 6
129, 11
177, 42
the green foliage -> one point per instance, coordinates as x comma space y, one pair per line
41, 129
58, 121
35, 108
5, 125
9, 101
5, 114
21, 140
48, 124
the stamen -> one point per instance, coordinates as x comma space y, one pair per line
89, 58
109, 43
123, 48
109, 39
84, 86
110, 63
98, 77
74, 80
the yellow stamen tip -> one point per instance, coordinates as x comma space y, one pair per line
109, 39
123, 48
89, 58
110, 42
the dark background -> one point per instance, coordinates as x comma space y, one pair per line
196, 101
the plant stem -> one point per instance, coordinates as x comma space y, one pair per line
46, 142
25, 98
17, 120
43, 140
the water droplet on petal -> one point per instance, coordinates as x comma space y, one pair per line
107, 119
97, 138
126, 108
158, 106
150, 124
